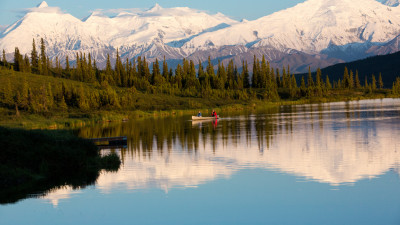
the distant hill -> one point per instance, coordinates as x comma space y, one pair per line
388, 65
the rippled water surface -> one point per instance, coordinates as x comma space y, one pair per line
336, 163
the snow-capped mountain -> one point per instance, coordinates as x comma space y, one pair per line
133, 33
314, 33
311, 27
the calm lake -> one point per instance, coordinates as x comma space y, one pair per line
336, 163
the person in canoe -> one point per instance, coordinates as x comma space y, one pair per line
199, 114
214, 114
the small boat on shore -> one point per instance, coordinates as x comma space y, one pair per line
198, 118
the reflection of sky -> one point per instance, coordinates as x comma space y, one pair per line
326, 146
286, 177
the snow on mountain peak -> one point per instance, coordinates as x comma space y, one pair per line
311, 27
43, 5
155, 8
94, 14
130, 29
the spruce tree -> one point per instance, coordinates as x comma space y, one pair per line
318, 83
194, 82
17, 60
210, 68
357, 83
346, 82
146, 70
43, 99
219, 83
283, 80
67, 68
380, 81
310, 81
34, 58
238, 79
318, 80
278, 78
165, 70
156, 74
27, 65
24, 96
328, 83
32, 101
230, 75
62, 104
396, 87
254, 78
373, 86
43, 58
82, 99
303, 87
8, 97
293, 87
118, 71
91, 77
4, 59
50, 97
246, 76
109, 71
351, 80
264, 78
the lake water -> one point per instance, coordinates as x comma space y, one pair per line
336, 163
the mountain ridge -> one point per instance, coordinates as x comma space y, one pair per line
317, 32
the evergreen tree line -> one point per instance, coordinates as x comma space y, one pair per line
266, 82
59, 97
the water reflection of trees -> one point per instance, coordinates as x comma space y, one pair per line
164, 134
334, 143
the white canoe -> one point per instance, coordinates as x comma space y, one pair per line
204, 118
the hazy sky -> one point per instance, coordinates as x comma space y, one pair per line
12, 10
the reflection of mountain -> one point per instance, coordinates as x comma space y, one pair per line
60, 194
339, 144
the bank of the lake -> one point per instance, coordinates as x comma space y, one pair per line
34, 161
33, 101
76, 118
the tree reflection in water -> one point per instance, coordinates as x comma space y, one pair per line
336, 143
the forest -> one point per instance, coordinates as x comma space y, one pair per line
136, 84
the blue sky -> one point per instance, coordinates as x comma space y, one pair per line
11, 10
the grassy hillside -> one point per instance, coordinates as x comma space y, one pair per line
128, 102
39, 101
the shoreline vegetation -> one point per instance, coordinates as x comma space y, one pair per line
36, 92
45, 160
48, 112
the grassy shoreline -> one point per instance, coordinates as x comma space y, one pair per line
35, 161
48, 112
74, 119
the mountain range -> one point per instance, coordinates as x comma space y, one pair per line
315, 33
